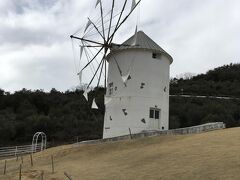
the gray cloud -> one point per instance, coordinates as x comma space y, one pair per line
35, 49
24, 37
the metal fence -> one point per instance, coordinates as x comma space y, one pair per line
19, 150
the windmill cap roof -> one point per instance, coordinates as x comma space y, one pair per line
141, 41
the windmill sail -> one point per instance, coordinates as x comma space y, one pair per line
94, 41
133, 4
87, 25
80, 77
98, 1
81, 51
85, 94
126, 77
94, 105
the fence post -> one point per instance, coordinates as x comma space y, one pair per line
5, 167
52, 164
41, 176
130, 133
31, 158
22, 159
16, 151
20, 172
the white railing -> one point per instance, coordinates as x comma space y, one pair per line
188, 130
19, 150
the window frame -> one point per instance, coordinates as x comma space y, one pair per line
110, 88
153, 114
157, 114
154, 55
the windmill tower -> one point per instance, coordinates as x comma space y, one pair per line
137, 84
137, 96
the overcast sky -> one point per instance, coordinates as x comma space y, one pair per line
36, 51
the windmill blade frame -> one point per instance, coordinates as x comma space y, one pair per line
106, 35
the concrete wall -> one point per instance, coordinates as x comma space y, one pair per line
181, 131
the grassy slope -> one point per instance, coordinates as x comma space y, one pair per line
212, 155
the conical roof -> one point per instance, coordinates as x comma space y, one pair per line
141, 41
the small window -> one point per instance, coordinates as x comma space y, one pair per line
151, 114
110, 91
154, 55
154, 113
110, 87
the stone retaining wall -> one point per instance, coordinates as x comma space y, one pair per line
188, 130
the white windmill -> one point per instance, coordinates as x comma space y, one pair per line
137, 85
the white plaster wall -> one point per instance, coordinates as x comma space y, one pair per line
137, 102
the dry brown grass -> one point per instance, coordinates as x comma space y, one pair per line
212, 155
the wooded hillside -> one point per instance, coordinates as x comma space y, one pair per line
221, 81
66, 116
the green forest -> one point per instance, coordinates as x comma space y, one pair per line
66, 116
